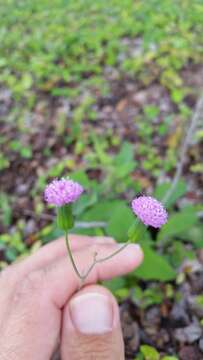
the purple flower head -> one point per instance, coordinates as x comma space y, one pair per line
150, 211
62, 192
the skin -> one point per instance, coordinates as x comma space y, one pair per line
36, 297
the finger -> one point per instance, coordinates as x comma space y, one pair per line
51, 252
33, 322
124, 262
42, 258
57, 248
91, 326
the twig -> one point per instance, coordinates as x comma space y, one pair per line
195, 119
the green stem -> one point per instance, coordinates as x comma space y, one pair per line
136, 231
114, 253
95, 260
71, 257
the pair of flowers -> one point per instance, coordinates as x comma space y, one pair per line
65, 191
62, 193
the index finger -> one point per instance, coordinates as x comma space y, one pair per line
62, 281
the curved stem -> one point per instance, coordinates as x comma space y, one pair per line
95, 260
114, 253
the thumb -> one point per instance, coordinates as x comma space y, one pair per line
91, 326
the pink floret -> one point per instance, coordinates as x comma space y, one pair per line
150, 211
62, 192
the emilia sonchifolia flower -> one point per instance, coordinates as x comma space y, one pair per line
62, 192
150, 211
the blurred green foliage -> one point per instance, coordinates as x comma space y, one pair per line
51, 46
61, 49
150, 353
64, 49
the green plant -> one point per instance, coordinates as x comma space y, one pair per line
4, 162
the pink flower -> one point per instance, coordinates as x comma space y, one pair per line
62, 192
150, 211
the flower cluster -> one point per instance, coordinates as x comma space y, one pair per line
62, 192
65, 191
150, 211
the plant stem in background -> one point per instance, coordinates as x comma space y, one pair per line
195, 119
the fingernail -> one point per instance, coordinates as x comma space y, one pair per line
92, 313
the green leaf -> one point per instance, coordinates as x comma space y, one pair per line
84, 202
169, 358
179, 252
149, 352
102, 210
177, 95
179, 191
154, 266
194, 235
26, 152
148, 297
15, 145
178, 223
120, 221
115, 284
151, 111
11, 254
126, 154
82, 178
125, 169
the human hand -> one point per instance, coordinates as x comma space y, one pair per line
41, 309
